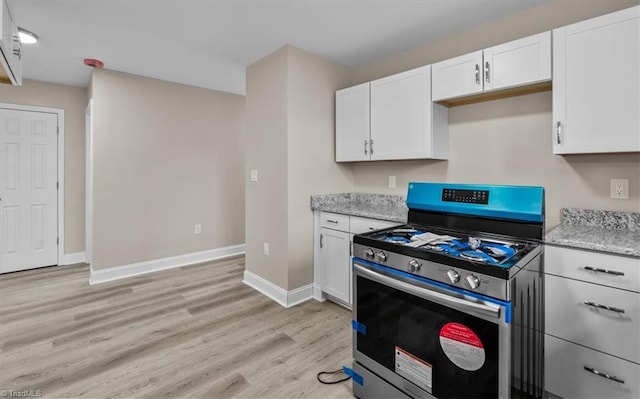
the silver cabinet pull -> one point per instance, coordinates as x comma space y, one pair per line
558, 132
597, 305
371, 146
603, 375
321, 241
332, 221
599, 270
477, 74
365, 147
486, 72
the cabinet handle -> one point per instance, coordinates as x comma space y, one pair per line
603, 375
371, 146
332, 221
321, 241
597, 305
477, 74
599, 270
487, 77
558, 132
365, 147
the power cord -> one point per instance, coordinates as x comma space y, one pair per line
339, 371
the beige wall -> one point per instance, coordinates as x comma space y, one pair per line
73, 100
312, 82
290, 140
166, 156
266, 151
508, 141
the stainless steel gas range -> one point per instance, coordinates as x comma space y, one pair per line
451, 304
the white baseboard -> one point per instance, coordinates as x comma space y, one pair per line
135, 269
280, 295
72, 259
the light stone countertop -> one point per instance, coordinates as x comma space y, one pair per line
373, 206
612, 232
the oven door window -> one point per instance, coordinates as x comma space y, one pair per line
458, 352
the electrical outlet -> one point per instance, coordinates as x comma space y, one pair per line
392, 182
620, 188
254, 175
197, 229
265, 248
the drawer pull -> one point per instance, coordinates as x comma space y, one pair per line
597, 305
603, 375
598, 270
332, 221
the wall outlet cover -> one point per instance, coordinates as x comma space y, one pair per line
392, 182
254, 175
620, 188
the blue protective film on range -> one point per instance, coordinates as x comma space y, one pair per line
522, 203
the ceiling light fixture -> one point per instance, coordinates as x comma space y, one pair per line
27, 37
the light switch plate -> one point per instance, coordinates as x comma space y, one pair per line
254, 175
392, 182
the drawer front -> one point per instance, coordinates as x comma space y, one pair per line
565, 373
334, 221
613, 331
362, 225
624, 272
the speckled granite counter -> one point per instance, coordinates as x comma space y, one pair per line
374, 206
605, 231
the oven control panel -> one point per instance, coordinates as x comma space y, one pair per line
466, 196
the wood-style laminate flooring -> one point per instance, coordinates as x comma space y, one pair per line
191, 332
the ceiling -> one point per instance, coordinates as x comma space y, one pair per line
208, 43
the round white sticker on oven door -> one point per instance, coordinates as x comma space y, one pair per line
462, 346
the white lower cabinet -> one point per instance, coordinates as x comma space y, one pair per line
592, 324
572, 372
335, 249
332, 258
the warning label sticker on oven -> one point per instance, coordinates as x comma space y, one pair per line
462, 346
414, 369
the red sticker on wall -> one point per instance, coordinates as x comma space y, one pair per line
462, 346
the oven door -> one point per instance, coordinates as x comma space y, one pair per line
429, 340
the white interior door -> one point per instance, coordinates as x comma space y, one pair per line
28, 189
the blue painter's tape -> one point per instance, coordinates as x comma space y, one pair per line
359, 327
357, 378
523, 203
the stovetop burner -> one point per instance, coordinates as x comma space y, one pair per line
473, 247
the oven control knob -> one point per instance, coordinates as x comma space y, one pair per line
453, 275
414, 266
369, 254
473, 281
382, 257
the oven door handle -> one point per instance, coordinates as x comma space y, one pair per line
442, 299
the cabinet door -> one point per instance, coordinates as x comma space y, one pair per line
401, 115
457, 77
334, 263
596, 85
517, 63
352, 124
566, 376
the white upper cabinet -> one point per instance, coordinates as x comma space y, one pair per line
517, 63
402, 117
457, 77
352, 124
596, 85
10, 47
391, 118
